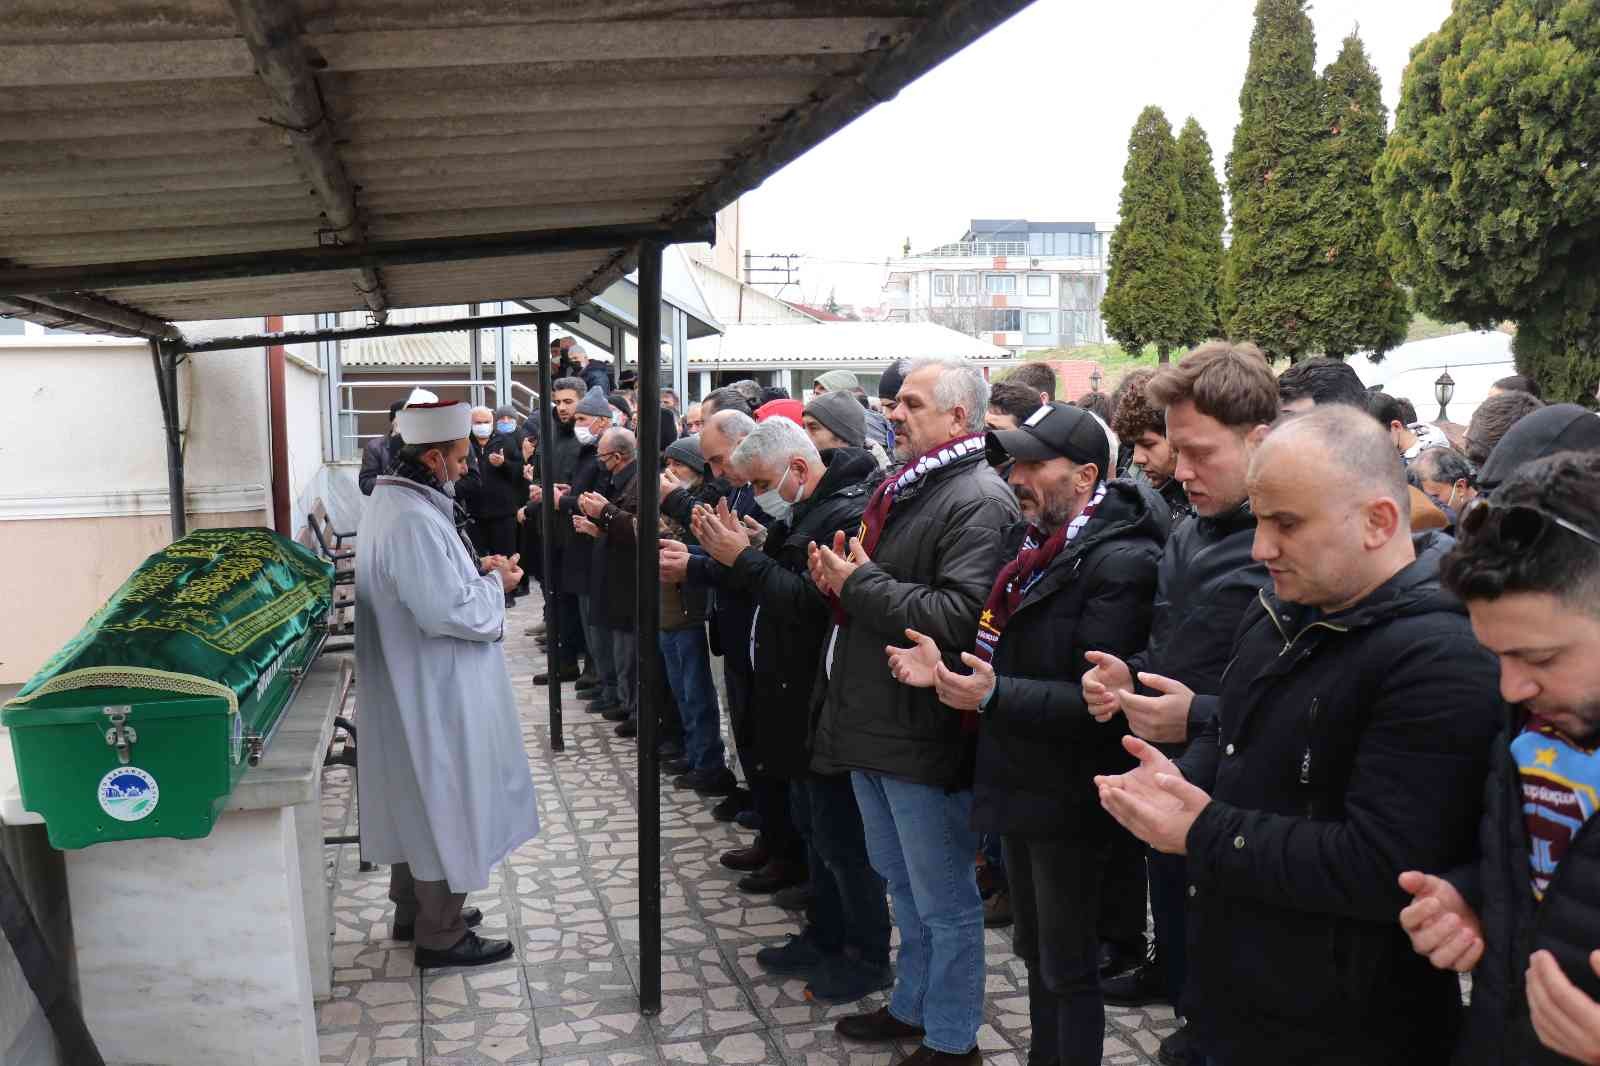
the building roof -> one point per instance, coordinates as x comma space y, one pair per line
180, 160
866, 345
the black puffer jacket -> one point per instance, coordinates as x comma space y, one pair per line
564, 452
1206, 582
793, 618
1347, 748
1566, 923
578, 571
501, 490
931, 571
1038, 749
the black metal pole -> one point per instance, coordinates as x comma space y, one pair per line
649, 623
547, 530
396, 329
165, 360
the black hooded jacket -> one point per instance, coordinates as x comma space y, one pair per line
1038, 748
793, 618
1346, 749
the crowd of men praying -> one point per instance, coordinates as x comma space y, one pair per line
1310, 682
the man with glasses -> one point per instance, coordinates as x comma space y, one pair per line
1524, 917
1349, 744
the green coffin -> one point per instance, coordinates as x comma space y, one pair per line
141, 725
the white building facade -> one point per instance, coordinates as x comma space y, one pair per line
1021, 285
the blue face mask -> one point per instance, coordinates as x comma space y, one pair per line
505, 427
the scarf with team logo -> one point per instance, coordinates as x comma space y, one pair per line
1023, 572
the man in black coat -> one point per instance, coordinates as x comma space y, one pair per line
926, 558
584, 556
843, 951
563, 450
1215, 406
1524, 918
1081, 576
379, 452
1349, 743
498, 489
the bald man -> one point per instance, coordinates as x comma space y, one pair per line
1349, 743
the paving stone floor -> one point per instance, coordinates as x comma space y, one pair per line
569, 902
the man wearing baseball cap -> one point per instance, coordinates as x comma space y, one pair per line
1081, 577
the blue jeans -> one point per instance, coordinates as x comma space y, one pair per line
920, 840
689, 673
600, 654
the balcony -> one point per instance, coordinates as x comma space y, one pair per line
975, 250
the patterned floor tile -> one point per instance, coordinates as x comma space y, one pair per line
395, 1043
551, 984
819, 1045
504, 1038
632, 1056
450, 995
598, 1026
740, 1048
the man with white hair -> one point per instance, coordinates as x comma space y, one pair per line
445, 789
843, 952
926, 557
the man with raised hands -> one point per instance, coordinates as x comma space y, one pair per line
1349, 743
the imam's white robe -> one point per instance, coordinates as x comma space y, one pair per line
443, 775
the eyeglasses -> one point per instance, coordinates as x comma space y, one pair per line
1517, 527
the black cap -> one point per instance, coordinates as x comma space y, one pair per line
1561, 427
1055, 431
890, 380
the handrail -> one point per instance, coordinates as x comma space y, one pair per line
348, 408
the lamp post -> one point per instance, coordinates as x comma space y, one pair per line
1444, 387
1095, 378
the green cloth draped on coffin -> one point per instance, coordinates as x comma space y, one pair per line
209, 615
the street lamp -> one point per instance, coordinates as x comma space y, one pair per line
1095, 378
1443, 389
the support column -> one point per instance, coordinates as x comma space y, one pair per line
705, 384
649, 626
475, 358
165, 359
680, 355
547, 529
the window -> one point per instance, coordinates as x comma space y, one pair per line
1037, 243
1040, 322
942, 285
1002, 320
1000, 284
968, 284
1038, 284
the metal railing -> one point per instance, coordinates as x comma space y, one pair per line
974, 249
522, 398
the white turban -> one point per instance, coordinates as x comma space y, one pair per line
434, 423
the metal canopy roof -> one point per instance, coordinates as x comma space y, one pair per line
165, 160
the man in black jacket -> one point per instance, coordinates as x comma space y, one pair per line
1141, 424
584, 557
563, 451
1349, 744
844, 950
1082, 576
1524, 918
379, 452
499, 489
926, 558
1216, 406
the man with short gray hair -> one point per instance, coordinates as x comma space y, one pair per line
926, 557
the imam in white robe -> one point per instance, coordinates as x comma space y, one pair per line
443, 775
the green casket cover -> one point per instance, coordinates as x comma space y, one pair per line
209, 615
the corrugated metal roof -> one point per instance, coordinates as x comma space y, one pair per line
839, 343
139, 132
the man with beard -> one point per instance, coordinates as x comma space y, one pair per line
1082, 576
564, 449
1349, 743
1524, 918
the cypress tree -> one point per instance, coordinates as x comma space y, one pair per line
1203, 221
1489, 188
1272, 174
1355, 304
1150, 294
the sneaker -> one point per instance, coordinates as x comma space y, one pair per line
798, 956
795, 897
1139, 987
997, 911
1176, 1049
736, 801
845, 978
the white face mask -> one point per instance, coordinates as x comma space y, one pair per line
584, 434
481, 430
772, 502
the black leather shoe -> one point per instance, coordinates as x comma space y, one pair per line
795, 897
731, 805
565, 673
471, 915
711, 781
675, 766
746, 860
773, 876
629, 728
877, 1027
1118, 959
615, 713
1139, 987
470, 950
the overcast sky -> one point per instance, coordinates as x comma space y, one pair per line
1032, 122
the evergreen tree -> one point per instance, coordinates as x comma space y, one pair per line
1489, 187
1272, 173
1203, 220
1151, 296
1354, 304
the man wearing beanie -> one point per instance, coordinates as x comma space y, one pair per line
835, 381
835, 420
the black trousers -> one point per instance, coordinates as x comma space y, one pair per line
1056, 888
497, 535
1122, 892
1167, 879
849, 908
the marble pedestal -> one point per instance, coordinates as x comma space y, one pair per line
198, 952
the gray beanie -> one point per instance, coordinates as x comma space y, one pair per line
841, 414
686, 450
505, 410
839, 381
594, 403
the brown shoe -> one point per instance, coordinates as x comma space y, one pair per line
926, 1056
747, 859
878, 1027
